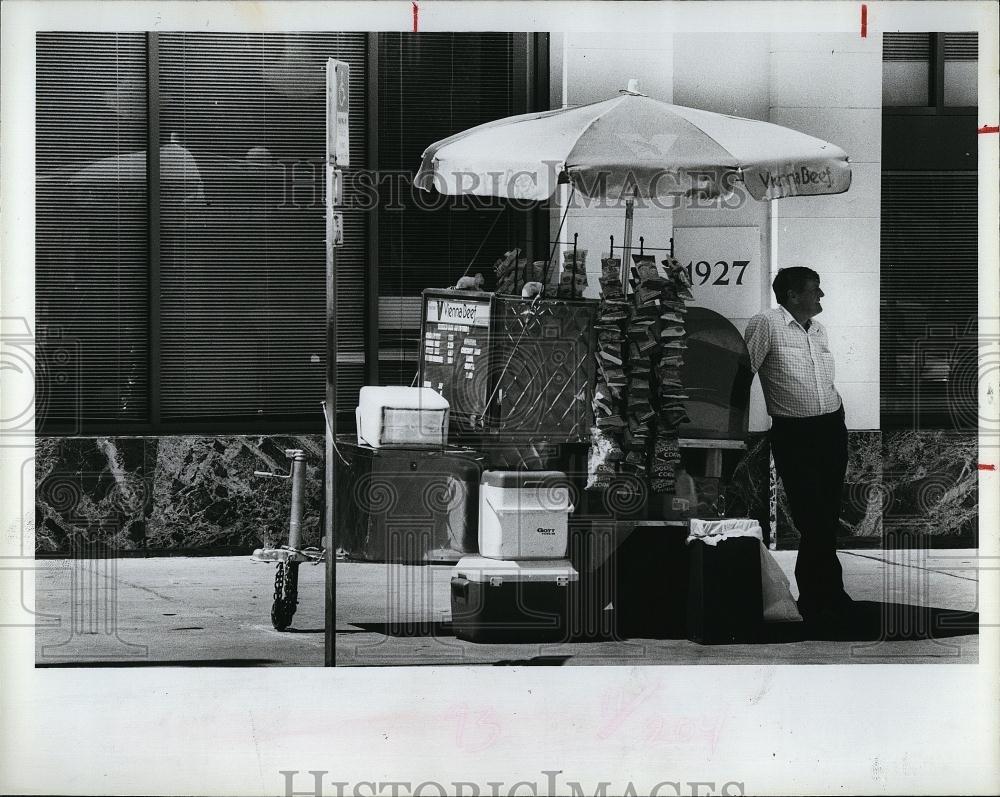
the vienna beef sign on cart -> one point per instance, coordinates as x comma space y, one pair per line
725, 267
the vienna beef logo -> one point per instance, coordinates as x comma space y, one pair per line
800, 178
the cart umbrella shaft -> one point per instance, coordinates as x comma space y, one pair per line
627, 248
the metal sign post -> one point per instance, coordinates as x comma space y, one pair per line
337, 156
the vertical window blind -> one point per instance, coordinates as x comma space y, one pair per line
929, 239
929, 288
432, 85
242, 133
91, 265
219, 316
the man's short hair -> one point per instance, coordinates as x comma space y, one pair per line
791, 279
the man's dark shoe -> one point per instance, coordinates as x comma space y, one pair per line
828, 619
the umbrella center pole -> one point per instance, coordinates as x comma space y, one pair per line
627, 248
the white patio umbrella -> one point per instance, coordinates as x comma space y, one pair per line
632, 147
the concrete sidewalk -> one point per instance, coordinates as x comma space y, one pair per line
215, 611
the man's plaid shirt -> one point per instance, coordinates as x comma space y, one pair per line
795, 365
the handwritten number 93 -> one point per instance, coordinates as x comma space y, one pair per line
702, 270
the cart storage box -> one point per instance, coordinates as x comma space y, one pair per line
725, 602
524, 514
407, 505
506, 601
593, 545
651, 583
402, 416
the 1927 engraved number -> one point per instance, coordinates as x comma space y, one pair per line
703, 271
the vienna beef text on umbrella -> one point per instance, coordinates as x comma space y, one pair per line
632, 147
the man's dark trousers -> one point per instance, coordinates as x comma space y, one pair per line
810, 455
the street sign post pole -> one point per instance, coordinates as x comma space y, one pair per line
337, 157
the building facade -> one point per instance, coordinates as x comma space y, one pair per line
180, 265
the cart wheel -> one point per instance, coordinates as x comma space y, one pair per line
282, 612
286, 595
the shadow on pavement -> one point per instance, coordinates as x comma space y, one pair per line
427, 628
535, 661
870, 621
883, 622
415, 628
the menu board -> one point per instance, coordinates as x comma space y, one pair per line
454, 354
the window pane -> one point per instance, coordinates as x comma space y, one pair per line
960, 78
242, 132
905, 83
929, 288
960, 69
906, 61
91, 259
431, 86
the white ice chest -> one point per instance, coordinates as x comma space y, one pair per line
524, 514
404, 417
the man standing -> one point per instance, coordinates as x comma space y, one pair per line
790, 352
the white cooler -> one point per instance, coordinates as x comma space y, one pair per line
405, 417
524, 514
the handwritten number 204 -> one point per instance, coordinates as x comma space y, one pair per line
703, 271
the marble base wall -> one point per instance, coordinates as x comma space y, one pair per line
171, 494
198, 494
904, 489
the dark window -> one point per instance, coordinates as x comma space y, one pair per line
431, 86
929, 243
215, 321
929, 288
242, 271
906, 69
91, 265
929, 70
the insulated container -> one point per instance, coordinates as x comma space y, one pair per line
407, 505
401, 416
509, 601
524, 514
